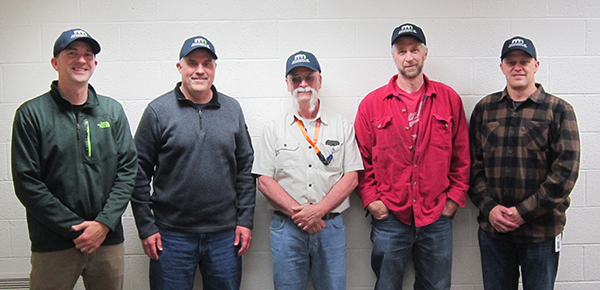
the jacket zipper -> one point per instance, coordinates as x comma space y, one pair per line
88, 137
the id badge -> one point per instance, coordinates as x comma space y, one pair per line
558, 242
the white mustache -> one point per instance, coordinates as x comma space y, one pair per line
314, 98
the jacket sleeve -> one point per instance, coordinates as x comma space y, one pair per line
367, 185
121, 190
460, 162
28, 182
245, 181
563, 168
147, 139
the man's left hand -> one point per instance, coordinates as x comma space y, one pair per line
243, 235
92, 237
450, 208
308, 216
515, 217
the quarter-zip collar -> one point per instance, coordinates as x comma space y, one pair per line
214, 102
92, 100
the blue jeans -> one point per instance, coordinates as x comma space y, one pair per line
431, 248
500, 261
296, 252
220, 265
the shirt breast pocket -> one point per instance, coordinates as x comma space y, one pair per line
332, 150
441, 131
489, 136
536, 135
288, 154
385, 133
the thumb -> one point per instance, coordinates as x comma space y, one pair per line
159, 244
237, 238
79, 227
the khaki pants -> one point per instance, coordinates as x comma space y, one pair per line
60, 270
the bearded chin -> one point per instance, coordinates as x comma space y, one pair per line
314, 99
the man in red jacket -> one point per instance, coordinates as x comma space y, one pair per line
413, 138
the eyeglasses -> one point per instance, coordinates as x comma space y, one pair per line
298, 79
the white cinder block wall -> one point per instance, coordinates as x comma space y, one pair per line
140, 42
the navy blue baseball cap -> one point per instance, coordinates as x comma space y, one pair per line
302, 58
196, 42
69, 36
518, 43
409, 29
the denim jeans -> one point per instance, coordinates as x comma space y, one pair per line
296, 252
431, 248
500, 261
214, 253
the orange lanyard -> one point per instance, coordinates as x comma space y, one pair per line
311, 141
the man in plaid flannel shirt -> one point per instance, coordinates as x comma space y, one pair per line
525, 161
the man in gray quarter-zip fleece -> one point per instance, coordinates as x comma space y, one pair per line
74, 167
195, 150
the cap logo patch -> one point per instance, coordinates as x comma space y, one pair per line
300, 58
407, 29
200, 42
79, 33
517, 42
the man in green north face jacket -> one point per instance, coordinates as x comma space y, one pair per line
74, 164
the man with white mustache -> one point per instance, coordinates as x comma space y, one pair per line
307, 163
412, 134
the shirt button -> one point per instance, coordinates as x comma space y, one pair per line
510, 151
403, 110
415, 165
309, 147
406, 128
414, 201
410, 147
512, 131
309, 165
415, 183
379, 126
310, 185
507, 169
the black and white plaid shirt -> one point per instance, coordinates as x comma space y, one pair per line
526, 156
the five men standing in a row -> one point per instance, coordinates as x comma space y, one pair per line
74, 169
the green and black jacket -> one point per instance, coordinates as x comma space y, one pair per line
72, 167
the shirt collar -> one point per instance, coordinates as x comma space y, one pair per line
538, 96
390, 88
293, 115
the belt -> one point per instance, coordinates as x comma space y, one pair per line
327, 216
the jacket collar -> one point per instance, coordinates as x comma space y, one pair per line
92, 100
214, 102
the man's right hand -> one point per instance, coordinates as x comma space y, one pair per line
501, 219
378, 209
152, 245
